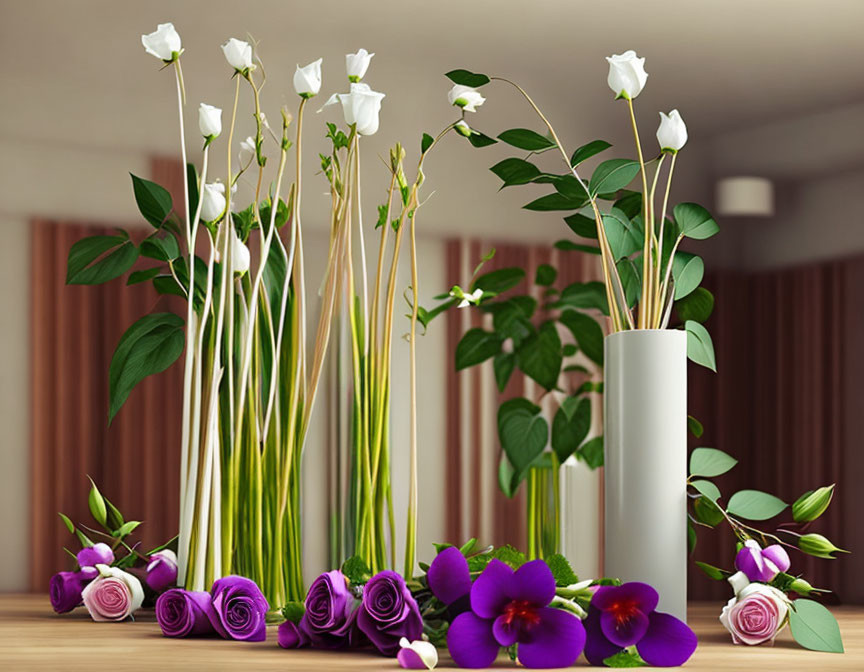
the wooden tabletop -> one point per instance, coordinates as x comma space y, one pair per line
32, 637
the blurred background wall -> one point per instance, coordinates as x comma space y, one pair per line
772, 89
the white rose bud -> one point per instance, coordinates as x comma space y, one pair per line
238, 54
672, 132
627, 74
360, 107
209, 121
462, 128
466, 97
212, 201
357, 64
307, 81
163, 43
239, 253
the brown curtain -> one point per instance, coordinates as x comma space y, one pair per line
787, 402
74, 330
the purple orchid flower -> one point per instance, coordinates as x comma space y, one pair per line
509, 608
449, 580
761, 564
622, 616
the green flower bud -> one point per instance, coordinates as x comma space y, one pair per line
818, 546
811, 505
801, 587
462, 128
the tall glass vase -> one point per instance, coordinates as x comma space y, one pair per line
645, 416
543, 501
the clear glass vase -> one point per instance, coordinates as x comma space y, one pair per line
543, 502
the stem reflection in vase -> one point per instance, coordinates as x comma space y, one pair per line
543, 501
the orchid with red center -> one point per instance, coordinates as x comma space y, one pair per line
625, 616
510, 608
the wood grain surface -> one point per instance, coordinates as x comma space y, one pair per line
32, 637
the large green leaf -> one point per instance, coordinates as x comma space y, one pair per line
584, 295
87, 266
587, 333
588, 150
499, 281
162, 248
478, 139
814, 627
700, 347
612, 175
694, 221
154, 201
545, 275
510, 319
707, 488
591, 452
540, 356
467, 78
570, 426
631, 280
687, 272
525, 138
696, 306
515, 171
582, 226
522, 431
503, 366
552, 202
624, 236
149, 346
475, 347
710, 462
755, 505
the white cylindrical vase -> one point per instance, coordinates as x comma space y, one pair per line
645, 472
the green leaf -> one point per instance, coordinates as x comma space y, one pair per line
356, 570
755, 505
624, 237
115, 518
694, 221
86, 541
713, 572
426, 142
84, 269
97, 504
631, 280
515, 171
154, 201
561, 570
149, 346
814, 627
164, 248
625, 658
700, 347
691, 538
591, 452
294, 611
707, 512
570, 426
507, 478
630, 203
525, 138
503, 365
511, 318
587, 151
478, 139
570, 246
707, 488
137, 277
522, 431
696, 306
126, 529
687, 272
192, 181
552, 202
710, 462
476, 346
540, 356
545, 275
68, 523
587, 332
612, 175
584, 295
499, 281
510, 556
695, 427
582, 226
467, 78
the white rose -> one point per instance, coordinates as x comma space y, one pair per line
627, 74
212, 201
672, 132
357, 64
466, 97
209, 120
163, 43
114, 595
360, 107
307, 81
238, 54
239, 253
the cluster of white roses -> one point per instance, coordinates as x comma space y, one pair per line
627, 78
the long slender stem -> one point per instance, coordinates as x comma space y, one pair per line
662, 293
647, 273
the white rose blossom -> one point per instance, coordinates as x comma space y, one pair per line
163, 43
672, 132
466, 97
627, 74
307, 80
209, 121
212, 201
361, 107
357, 64
238, 54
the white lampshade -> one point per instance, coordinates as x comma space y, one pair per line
745, 196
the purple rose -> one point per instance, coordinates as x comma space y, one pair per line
388, 613
65, 591
241, 609
761, 564
162, 570
97, 554
289, 636
182, 613
329, 603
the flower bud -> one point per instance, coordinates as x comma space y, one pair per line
672, 133
238, 54
818, 546
212, 201
163, 43
357, 64
209, 121
811, 505
627, 74
462, 128
307, 80
801, 587
466, 97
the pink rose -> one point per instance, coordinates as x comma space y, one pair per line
113, 595
757, 612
